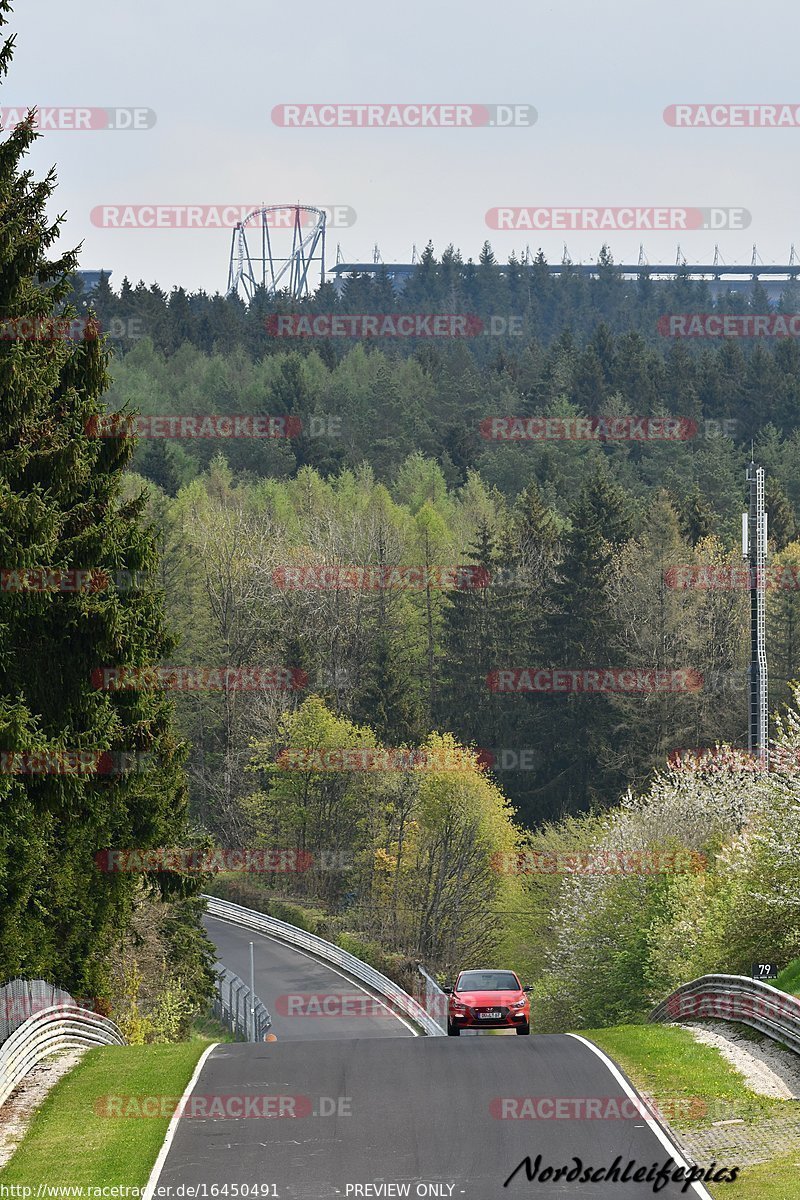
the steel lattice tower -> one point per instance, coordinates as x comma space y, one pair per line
267, 267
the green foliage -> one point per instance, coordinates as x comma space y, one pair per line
613, 945
63, 507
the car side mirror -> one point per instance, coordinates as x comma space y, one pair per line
528, 987
447, 991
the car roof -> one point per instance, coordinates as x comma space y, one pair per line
493, 970
506, 970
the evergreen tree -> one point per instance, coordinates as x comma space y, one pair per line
62, 508
581, 632
473, 645
696, 516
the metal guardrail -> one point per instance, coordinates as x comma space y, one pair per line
61, 1027
21, 998
435, 1000
232, 1006
386, 988
735, 998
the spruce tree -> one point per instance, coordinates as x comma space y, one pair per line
581, 632
61, 507
474, 646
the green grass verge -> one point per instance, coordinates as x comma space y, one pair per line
208, 1029
693, 1086
789, 978
67, 1141
776, 1180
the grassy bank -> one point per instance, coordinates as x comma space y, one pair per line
789, 978
69, 1141
694, 1087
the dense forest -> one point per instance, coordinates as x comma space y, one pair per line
576, 539
406, 565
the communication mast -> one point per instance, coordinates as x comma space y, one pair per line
754, 550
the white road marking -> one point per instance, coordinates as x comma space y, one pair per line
158, 1166
699, 1188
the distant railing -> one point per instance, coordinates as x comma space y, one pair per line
62, 1027
237, 1009
735, 998
259, 922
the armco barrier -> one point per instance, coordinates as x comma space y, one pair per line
62, 1027
261, 923
435, 999
735, 998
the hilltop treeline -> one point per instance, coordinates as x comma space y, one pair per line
544, 306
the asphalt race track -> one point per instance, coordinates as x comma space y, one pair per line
352, 1109
282, 971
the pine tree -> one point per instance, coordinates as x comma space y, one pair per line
61, 507
389, 701
472, 647
581, 632
781, 517
610, 505
696, 516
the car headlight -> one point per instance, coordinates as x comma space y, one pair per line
518, 1004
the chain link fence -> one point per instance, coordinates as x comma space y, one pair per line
23, 998
232, 1007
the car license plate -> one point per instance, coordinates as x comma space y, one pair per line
491, 1016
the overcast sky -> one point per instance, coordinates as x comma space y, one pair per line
599, 75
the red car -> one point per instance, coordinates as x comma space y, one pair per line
488, 1000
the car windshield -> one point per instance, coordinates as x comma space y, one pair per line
487, 981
